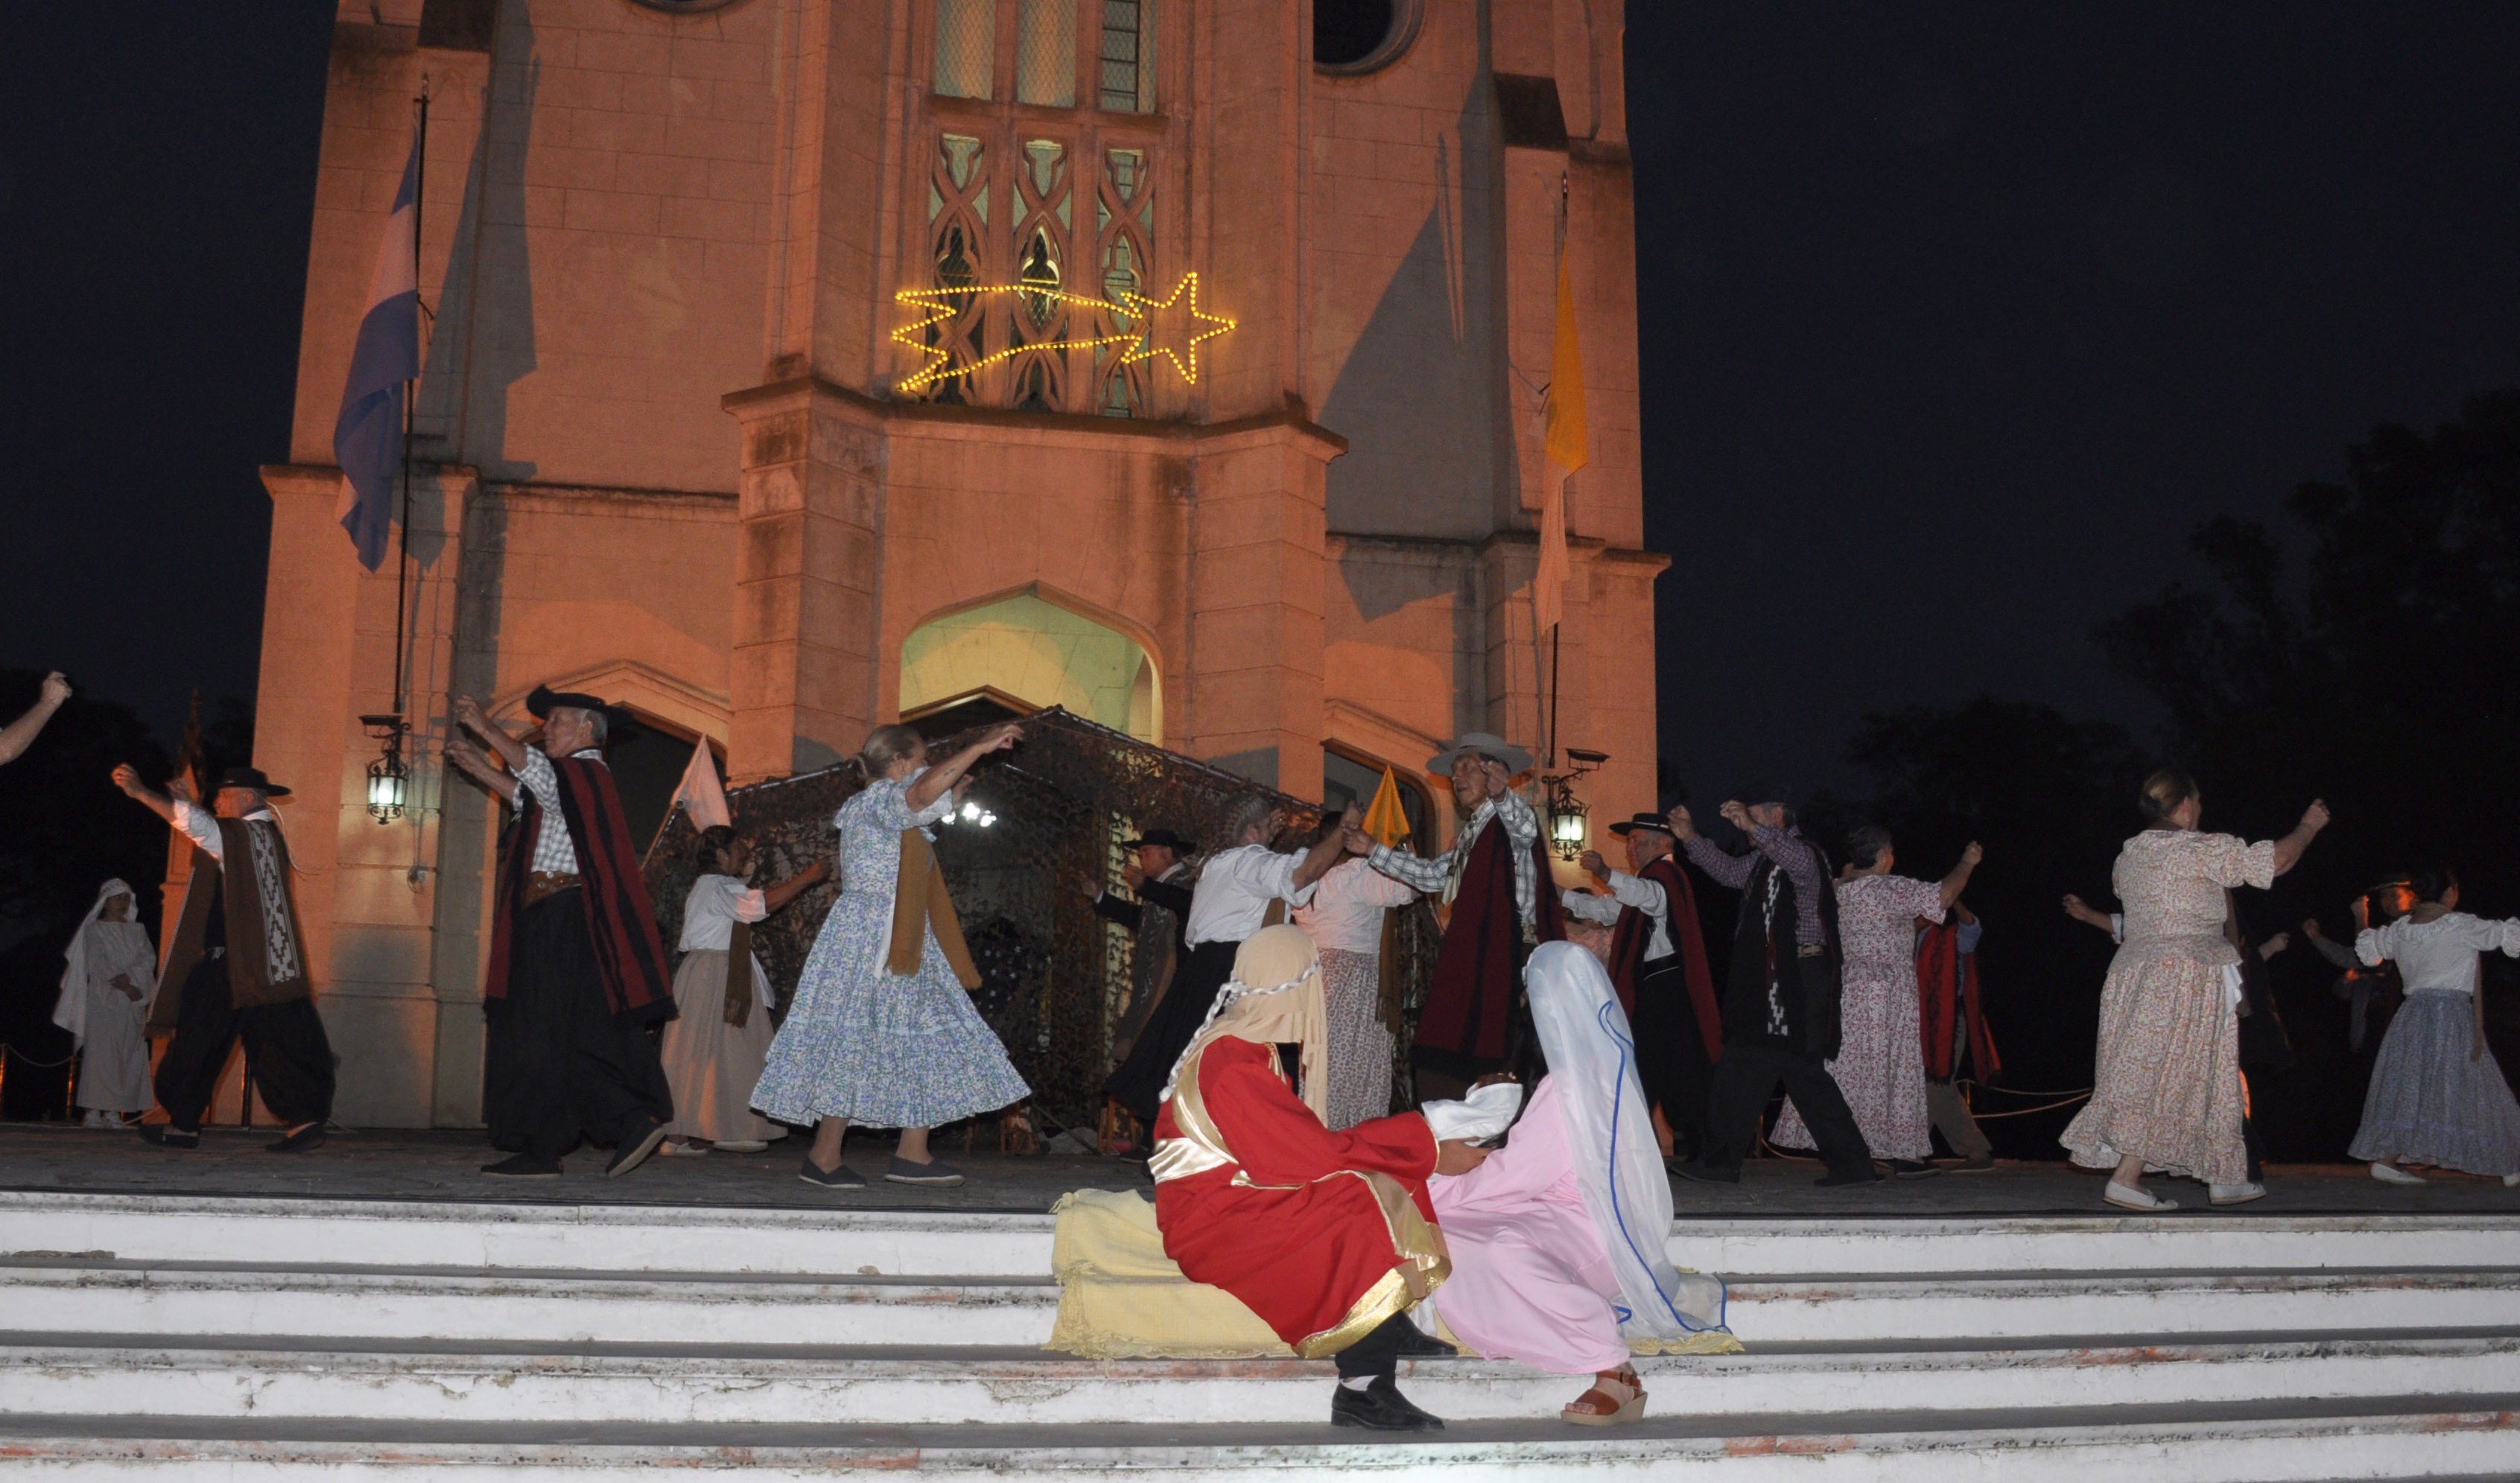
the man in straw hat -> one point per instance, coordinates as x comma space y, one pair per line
1658, 964
238, 967
577, 968
1780, 1006
1494, 889
1327, 1236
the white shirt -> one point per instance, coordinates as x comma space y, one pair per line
1626, 890
709, 915
201, 827
1348, 903
554, 854
2440, 954
1230, 901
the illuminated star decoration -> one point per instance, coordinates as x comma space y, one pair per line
1145, 343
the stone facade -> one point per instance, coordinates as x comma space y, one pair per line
669, 446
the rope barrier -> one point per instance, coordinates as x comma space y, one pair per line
2026, 1112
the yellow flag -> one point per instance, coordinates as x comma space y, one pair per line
1565, 441
1567, 450
1385, 819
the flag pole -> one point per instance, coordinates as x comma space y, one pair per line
410, 398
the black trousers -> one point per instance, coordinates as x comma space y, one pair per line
1379, 1352
1745, 1078
285, 1048
1138, 1084
1671, 1054
559, 1068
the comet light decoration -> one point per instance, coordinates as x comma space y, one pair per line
1145, 343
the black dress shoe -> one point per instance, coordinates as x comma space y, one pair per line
634, 1147
168, 1136
305, 1139
523, 1166
1379, 1407
1707, 1174
1418, 1344
1868, 1176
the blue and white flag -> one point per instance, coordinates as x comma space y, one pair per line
368, 438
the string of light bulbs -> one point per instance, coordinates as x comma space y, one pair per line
942, 305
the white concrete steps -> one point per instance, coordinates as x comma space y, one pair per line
182, 1337
2401, 1437
109, 1377
851, 1240
72, 1295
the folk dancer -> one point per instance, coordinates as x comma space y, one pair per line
1557, 1239
715, 1044
577, 968
882, 1031
1658, 964
1879, 1067
2165, 1091
239, 961
1158, 875
1780, 1006
107, 986
1243, 886
1955, 1036
1494, 892
1326, 1236
1345, 919
2437, 1094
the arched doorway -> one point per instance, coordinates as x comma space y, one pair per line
1037, 653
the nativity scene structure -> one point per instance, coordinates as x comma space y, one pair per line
788, 369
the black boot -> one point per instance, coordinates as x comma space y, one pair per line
1379, 1407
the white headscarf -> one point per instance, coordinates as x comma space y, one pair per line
70, 1011
1609, 1133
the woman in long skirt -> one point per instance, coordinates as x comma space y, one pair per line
715, 1046
2166, 1094
2438, 1095
107, 987
1345, 918
883, 1029
1879, 1064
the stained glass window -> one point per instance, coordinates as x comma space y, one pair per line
1127, 72
967, 47
1046, 53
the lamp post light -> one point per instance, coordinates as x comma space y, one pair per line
388, 777
1569, 818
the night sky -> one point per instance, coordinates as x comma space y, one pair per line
1955, 319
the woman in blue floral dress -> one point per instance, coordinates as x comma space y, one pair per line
863, 1043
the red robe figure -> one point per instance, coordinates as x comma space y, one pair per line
1955, 1036
1327, 1236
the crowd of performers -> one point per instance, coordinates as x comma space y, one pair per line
1253, 1051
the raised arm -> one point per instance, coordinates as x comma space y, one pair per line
1958, 880
931, 784
1728, 870
1327, 851
469, 760
2289, 849
470, 716
128, 778
20, 734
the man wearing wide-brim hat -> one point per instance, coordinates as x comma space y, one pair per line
1159, 919
577, 968
1496, 902
237, 967
1658, 964
1780, 1002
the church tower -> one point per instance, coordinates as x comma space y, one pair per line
796, 365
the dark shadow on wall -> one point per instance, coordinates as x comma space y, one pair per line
1421, 394
482, 343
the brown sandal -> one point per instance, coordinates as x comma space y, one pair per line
1615, 1397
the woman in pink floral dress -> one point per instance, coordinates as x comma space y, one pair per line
1880, 1062
2166, 1089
